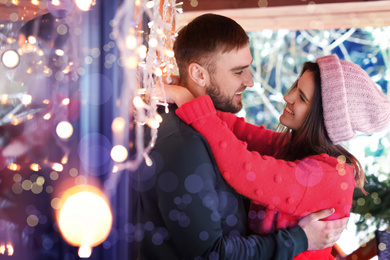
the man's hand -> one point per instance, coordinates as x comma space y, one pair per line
322, 234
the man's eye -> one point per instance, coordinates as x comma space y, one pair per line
239, 72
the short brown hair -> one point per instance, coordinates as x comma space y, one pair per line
204, 37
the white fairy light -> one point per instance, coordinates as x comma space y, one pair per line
143, 71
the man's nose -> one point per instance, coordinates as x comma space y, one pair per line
248, 79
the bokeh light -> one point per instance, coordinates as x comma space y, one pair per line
118, 125
64, 130
84, 216
119, 153
85, 5
10, 59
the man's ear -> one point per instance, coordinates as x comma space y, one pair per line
198, 74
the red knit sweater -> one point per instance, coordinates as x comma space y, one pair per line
281, 191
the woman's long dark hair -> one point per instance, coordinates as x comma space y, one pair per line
312, 137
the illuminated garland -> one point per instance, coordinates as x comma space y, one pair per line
144, 68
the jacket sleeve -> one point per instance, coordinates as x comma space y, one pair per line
287, 186
189, 198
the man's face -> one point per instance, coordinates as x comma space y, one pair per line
230, 79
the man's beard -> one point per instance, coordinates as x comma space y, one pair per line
221, 102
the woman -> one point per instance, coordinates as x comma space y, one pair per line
329, 102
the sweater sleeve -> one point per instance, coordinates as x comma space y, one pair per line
258, 138
287, 186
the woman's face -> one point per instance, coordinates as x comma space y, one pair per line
298, 102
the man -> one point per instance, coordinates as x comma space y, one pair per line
186, 209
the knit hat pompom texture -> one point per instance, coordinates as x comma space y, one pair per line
351, 101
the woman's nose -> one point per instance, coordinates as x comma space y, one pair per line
288, 98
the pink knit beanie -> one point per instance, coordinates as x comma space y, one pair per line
351, 101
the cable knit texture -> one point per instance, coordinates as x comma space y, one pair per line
351, 100
282, 192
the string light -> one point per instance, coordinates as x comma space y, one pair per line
57, 167
145, 61
35, 167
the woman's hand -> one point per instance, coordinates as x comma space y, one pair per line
173, 93
178, 94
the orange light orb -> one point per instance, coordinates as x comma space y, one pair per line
84, 216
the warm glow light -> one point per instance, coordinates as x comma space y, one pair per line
85, 252
142, 48
131, 62
35, 2
10, 249
84, 217
158, 118
138, 102
153, 124
142, 51
35, 167
6, 248
148, 161
85, 5
10, 59
57, 167
32, 39
158, 72
4, 98
170, 53
118, 124
55, 2
47, 71
150, 4
119, 153
60, 52
26, 99
153, 42
131, 42
47, 116
66, 101
64, 160
16, 121
64, 130
14, 167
